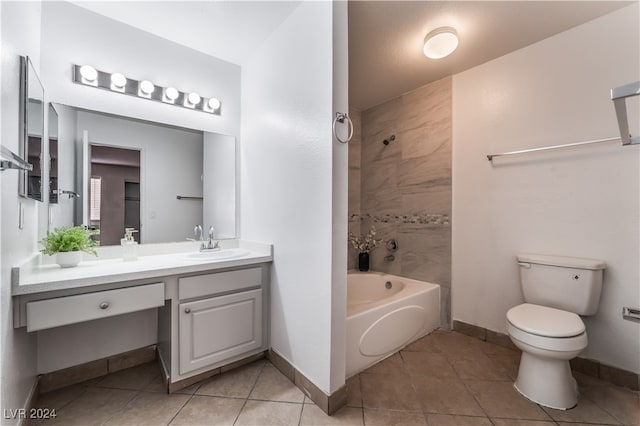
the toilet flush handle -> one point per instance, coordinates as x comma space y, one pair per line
525, 265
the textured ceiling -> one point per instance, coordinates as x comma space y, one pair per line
386, 38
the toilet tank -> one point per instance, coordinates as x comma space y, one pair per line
568, 283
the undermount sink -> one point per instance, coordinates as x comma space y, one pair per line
217, 254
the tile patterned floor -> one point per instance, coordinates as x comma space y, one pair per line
445, 378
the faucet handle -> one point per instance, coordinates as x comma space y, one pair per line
197, 231
211, 231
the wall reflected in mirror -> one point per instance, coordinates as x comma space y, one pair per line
31, 129
132, 173
53, 154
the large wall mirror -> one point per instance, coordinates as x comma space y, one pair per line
31, 130
159, 179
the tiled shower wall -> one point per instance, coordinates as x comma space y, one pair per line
405, 187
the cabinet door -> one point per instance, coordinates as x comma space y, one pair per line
218, 328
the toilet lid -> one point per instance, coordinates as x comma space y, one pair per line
545, 321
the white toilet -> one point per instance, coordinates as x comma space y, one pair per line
547, 327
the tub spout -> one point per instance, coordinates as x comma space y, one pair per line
389, 258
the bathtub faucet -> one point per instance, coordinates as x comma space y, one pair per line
389, 258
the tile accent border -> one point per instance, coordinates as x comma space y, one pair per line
327, 403
93, 369
422, 219
593, 368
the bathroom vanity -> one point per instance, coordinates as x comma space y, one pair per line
212, 307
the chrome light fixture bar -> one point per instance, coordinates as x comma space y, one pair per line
87, 75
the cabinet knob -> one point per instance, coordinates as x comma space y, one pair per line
187, 310
104, 305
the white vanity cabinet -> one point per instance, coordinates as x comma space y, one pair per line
218, 328
216, 319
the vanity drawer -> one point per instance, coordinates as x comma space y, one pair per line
221, 282
51, 313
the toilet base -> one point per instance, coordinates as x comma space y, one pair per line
547, 381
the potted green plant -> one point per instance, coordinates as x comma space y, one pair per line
68, 243
364, 244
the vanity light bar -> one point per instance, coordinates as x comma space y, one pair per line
116, 82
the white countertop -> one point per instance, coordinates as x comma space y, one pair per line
38, 274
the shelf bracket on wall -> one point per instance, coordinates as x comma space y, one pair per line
9, 160
618, 96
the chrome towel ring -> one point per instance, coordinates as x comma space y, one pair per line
340, 118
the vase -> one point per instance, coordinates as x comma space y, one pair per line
68, 259
363, 261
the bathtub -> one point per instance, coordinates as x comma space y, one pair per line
384, 314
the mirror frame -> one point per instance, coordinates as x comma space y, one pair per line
27, 75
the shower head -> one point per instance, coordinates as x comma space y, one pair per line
389, 140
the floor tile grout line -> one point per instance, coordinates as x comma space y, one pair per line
135, 395
244, 404
181, 408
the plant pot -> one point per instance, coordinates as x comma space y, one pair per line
68, 259
363, 261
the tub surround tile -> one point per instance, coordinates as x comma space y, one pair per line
378, 417
209, 410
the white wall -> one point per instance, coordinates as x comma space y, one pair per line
286, 182
74, 35
170, 165
20, 33
580, 202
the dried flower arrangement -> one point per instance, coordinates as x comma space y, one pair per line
365, 243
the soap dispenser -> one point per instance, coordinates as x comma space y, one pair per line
129, 245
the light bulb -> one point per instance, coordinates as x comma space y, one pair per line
118, 80
171, 93
194, 98
88, 73
214, 103
147, 87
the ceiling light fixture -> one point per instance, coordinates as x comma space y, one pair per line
440, 42
87, 75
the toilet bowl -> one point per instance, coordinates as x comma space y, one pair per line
548, 339
547, 327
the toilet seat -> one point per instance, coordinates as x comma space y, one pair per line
545, 321
546, 328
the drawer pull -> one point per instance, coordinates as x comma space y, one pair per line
187, 310
104, 305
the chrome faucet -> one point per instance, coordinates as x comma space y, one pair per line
211, 245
